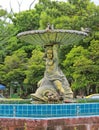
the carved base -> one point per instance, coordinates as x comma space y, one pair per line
47, 93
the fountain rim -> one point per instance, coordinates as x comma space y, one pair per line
33, 32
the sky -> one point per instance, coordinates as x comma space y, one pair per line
6, 4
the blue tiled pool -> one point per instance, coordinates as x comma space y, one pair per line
49, 110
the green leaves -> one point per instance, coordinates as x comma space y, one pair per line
82, 65
27, 20
2, 12
35, 68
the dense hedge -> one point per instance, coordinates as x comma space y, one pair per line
86, 100
15, 101
29, 101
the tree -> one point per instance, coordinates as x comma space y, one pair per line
26, 20
35, 69
94, 56
14, 69
78, 67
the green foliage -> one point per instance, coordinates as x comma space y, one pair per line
35, 68
46, 18
81, 68
26, 20
94, 55
2, 12
85, 100
13, 70
15, 101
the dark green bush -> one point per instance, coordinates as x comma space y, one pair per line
15, 101
87, 100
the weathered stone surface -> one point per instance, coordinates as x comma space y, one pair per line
94, 127
80, 123
75, 127
56, 122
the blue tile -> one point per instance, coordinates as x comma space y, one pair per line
38, 107
19, 107
54, 107
59, 107
49, 110
49, 107
68, 107
53, 112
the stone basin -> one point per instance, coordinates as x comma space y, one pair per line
44, 37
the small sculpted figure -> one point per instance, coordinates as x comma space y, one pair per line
53, 76
52, 72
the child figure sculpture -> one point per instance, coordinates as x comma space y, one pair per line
54, 80
52, 72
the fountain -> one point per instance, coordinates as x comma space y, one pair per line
54, 86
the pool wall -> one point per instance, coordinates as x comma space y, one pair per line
75, 123
48, 110
73, 116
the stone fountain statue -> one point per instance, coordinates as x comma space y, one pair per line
54, 86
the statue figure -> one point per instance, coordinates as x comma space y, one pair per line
54, 86
52, 72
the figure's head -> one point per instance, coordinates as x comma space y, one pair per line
49, 52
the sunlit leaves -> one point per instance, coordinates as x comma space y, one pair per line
26, 20
35, 68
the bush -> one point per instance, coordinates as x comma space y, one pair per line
87, 100
15, 101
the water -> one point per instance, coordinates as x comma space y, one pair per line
49, 110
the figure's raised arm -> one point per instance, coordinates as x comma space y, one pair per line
55, 51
